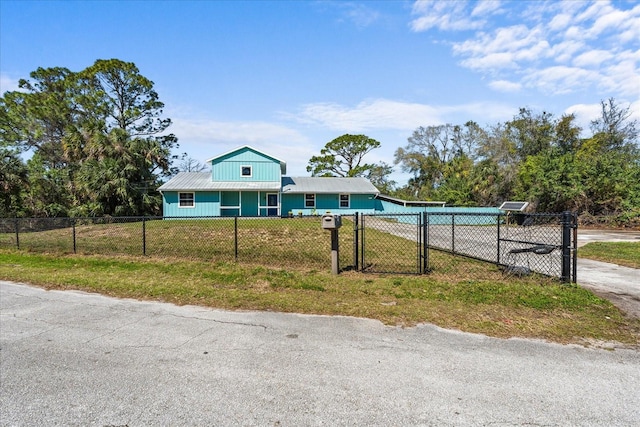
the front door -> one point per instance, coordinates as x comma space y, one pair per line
272, 204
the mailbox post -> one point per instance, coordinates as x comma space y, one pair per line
333, 223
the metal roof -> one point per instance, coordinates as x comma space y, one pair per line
292, 185
201, 181
406, 203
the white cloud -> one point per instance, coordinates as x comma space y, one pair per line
592, 58
560, 79
203, 138
7, 83
503, 48
553, 47
372, 114
387, 115
444, 15
560, 22
505, 86
565, 51
233, 132
486, 7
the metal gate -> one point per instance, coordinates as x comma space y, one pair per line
519, 243
389, 243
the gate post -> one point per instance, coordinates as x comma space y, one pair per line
566, 246
498, 242
362, 242
575, 248
425, 242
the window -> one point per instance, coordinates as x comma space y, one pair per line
245, 171
187, 200
344, 200
309, 200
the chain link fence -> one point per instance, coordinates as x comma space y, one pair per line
518, 243
381, 243
298, 241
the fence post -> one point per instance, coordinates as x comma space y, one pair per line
144, 236
355, 241
73, 226
362, 240
235, 237
425, 242
498, 241
453, 233
575, 247
17, 222
566, 246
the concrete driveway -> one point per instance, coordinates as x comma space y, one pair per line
620, 285
76, 359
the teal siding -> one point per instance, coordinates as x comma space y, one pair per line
388, 207
444, 215
364, 203
228, 168
252, 203
207, 203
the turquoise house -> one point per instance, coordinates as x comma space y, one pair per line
248, 182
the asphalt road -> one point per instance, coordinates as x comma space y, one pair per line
77, 359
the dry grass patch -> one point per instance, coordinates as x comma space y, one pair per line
497, 306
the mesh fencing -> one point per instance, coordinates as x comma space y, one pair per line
390, 243
518, 243
380, 243
280, 242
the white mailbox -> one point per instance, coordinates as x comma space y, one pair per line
331, 222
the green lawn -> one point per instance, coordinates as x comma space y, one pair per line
297, 242
284, 265
494, 305
621, 253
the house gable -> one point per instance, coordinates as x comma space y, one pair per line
246, 165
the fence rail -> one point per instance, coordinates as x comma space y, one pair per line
519, 243
383, 243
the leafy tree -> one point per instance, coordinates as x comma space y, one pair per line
456, 186
430, 152
96, 137
379, 177
567, 134
531, 133
343, 157
616, 130
13, 179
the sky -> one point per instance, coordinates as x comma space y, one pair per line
286, 77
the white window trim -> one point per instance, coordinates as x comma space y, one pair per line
305, 200
193, 196
348, 201
250, 171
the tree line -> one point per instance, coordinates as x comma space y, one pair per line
97, 144
534, 157
96, 140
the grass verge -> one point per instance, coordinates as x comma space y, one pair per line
532, 307
621, 253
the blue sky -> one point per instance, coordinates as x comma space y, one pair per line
287, 77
